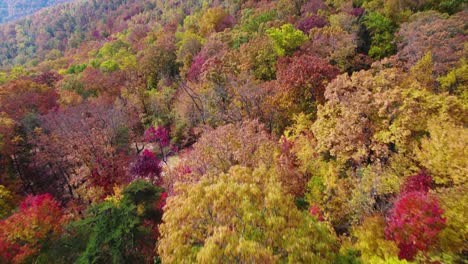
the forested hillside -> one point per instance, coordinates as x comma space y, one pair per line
14, 9
289, 131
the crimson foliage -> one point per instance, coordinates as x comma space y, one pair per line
414, 223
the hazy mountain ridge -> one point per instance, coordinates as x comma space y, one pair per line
14, 9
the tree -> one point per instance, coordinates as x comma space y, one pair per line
18, 98
442, 152
213, 48
446, 6
371, 240
423, 72
214, 19
188, 45
259, 57
414, 223
382, 33
387, 112
252, 21
334, 44
313, 6
302, 80
117, 229
160, 137
310, 22
247, 144
451, 240
456, 80
6, 202
286, 39
350, 107
241, 216
420, 182
37, 223
431, 31
147, 166
87, 146
157, 64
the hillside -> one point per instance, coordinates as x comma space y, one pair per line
166, 131
14, 9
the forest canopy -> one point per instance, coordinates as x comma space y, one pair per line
303, 131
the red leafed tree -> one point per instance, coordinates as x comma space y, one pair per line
88, 144
414, 223
147, 166
302, 80
420, 182
313, 6
48, 78
309, 22
159, 136
213, 48
294, 182
20, 97
315, 210
39, 218
195, 69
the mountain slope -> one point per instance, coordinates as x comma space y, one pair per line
280, 131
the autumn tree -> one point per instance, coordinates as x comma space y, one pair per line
260, 58
431, 31
215, 19
456, 80
122, 229
21, 104
147, 166
334, 44
414, 223
160, 138
354, 114
256, 20
247, 144
323, 183
310, 22
241, 216
6, 202
88, 144
302, 80
385, 117
188, 45
313, 6
37, 223
420, 182
382, 33
286, 39
451, 240
212, 48
371, 241
157, 64
442, 152
21, 97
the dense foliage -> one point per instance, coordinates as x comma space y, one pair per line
305, 131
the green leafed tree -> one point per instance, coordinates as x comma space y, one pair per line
119, 229
382, 34
286, 39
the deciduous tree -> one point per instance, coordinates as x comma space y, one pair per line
23, 234
241, 216
414, 223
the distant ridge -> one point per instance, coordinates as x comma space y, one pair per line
14, 9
